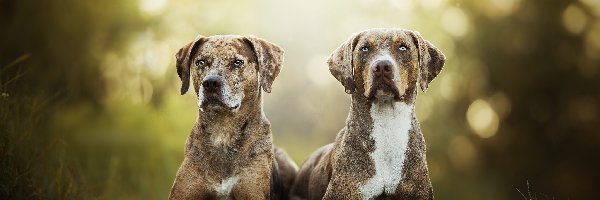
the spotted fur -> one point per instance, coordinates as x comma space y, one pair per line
380, 153
229, 153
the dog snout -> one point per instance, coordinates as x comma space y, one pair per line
382, 68
212, 84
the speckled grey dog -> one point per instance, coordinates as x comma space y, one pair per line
380, 153
229, 153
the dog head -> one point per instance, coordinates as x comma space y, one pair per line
384, 64
228, 70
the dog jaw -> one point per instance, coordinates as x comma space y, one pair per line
391, 125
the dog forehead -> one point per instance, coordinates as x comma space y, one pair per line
225, 45
385, 36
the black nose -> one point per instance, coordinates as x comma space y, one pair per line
383, 67
212, 84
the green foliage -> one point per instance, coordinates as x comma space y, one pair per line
26, 172
89, 107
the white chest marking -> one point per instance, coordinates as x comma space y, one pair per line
224, 188
390, 132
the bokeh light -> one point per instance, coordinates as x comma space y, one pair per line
574, 19
483, 119
90, 91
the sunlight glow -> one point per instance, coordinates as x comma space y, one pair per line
482, 119
432, 4
455, 21
593, 5
152, 7
150, 55
505, 7
318, 71
574, 19
450, 87
403, 5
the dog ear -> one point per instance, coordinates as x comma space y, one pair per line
340, 63
431, 60
183, 61
270, 59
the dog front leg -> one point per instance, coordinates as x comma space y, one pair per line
188, 184
341, 189
254, 182
252, 189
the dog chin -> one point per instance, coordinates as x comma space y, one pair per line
380, 94
385, 94
217, 106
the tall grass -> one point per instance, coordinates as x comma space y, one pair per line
529, 194
121, 150
32, 164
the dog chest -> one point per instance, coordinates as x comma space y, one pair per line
391, 125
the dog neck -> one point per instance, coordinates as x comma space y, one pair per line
226, 132
221, 142
368, 112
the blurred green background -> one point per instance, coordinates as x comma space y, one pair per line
89, 105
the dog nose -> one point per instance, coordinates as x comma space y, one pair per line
212, 84
383, 67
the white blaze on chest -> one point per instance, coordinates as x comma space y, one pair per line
224, 188
390, 132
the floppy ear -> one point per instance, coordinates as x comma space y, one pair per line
270, 59
431, 60
340, 63
184, 59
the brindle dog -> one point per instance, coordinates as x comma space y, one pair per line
380, 153
229, 153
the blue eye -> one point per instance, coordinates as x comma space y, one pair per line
364, 49
200, 62
403, 48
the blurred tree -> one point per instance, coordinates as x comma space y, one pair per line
55, 48
66, 41
551, 135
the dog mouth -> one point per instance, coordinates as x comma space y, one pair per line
384, 88
215, 100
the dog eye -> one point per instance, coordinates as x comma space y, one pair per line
200, 62
238, 63
364, 49
403, 48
